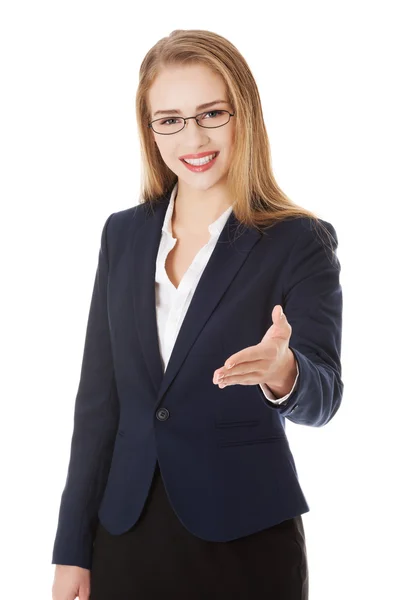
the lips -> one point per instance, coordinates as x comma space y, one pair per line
200, 155
200, 168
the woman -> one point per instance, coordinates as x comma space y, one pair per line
182, 484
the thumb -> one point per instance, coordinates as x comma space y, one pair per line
278, 316
280, 327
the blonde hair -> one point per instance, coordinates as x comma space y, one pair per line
258, 200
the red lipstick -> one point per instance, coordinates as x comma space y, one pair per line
200, 168
200, 155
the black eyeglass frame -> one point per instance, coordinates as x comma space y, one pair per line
150, 125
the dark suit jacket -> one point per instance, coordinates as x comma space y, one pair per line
223, 453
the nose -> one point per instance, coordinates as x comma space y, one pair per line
195, 130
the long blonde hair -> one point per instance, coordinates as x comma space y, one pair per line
258, 200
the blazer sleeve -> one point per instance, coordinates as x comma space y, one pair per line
313, 306
96, 417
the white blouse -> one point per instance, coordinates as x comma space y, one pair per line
171, 302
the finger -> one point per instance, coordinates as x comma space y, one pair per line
251, 378
249, 354
243, 369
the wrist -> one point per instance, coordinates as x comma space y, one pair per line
284, 379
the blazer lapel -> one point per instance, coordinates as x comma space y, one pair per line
230, 252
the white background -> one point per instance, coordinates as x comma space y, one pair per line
328, 76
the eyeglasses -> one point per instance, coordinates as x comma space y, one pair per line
170, 125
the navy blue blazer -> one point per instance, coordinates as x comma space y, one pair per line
223, 453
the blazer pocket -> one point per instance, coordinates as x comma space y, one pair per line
255, 440
224, 423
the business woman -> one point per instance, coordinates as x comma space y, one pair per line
181, 482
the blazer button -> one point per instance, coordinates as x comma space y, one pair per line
162, 414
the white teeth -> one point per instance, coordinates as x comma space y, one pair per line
200, 161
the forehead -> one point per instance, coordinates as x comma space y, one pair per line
185, 88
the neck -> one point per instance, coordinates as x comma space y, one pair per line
195, 210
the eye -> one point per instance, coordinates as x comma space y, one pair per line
217, 112
165, 121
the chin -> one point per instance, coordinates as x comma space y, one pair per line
204, 184
202, 181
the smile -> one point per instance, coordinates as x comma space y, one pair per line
200, 164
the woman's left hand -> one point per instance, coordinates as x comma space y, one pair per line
270, 362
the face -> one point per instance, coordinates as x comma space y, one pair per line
184, 89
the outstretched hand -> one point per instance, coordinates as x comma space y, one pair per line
270, 361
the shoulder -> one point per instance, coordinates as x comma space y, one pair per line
304, 230
121, 226
315, 241
303, 238
128, 220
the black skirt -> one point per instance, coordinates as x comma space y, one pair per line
159, 558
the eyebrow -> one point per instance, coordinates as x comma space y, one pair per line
200, 107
